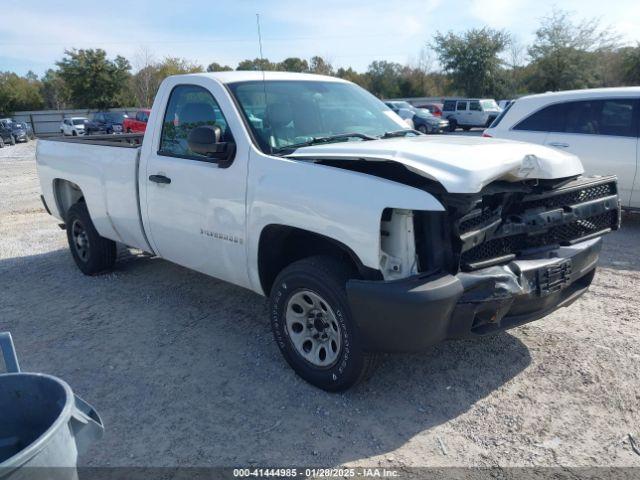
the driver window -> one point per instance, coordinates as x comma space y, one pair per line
189, 107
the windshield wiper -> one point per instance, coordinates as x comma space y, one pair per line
326, 139
399, 133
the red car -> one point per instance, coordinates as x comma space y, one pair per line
434, 108
138, 124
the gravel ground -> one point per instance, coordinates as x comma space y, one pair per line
184, 371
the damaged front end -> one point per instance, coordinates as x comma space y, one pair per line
510, 254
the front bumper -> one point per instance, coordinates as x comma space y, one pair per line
417, 312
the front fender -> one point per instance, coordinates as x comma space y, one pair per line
343, 205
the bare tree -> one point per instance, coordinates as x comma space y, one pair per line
144, 82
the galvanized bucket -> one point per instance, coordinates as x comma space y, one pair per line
43, 425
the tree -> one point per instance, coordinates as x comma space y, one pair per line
144, 82
93, 80
472, 59
257, 64
351, 75
565, 55
55, 93
19, 93
631, 65
320, 65
294, 64
383, 78
216, 67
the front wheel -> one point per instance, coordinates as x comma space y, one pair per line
423, 129
313, 326
453, 125
92, 253
13, 140
1, 143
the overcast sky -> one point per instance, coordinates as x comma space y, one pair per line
35, 33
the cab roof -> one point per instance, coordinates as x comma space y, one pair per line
253, 75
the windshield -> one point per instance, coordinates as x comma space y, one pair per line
114, 117
298, 111
78, 121
489, 105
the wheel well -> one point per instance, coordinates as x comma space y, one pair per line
66, 194
282, 245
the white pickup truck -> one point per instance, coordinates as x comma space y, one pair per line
366, 236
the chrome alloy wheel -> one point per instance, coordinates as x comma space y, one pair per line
313, 328
80, 239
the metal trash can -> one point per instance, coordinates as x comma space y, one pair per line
43, 425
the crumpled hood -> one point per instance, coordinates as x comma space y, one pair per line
461, 164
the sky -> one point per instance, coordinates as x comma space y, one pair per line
35, 33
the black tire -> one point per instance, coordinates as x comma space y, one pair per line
13, 140
1, 142
453, 125
74, 133
423, 129
326, 277
96, 254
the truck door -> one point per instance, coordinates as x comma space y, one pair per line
195, 206
462, 112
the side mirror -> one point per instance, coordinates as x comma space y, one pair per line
205, 140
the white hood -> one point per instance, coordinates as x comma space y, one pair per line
460, 164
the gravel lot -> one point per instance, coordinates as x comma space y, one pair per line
184, 371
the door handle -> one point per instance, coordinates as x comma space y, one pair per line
159, 179
559, 144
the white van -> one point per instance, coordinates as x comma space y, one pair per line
470, 112
598, 125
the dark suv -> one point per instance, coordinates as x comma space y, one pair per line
6, 135
105, 122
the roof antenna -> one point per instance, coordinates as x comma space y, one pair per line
264, 83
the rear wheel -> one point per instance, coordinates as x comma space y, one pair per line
92, 253
313, 326
453, 125
75, 134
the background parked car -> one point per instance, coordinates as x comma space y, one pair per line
422, 119
434, 108
598, 125
403, 109
73, 126
470, 112
6, 135
19, 131
138, 124
105, 122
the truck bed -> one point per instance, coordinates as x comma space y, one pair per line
104, 168
130, 140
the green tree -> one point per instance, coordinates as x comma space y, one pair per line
566, 55
257, 64
19, 93
294, 64
216, 67
93, 80
383, 78
55, 93
351, 75
472, 59
321, 66
631, 65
